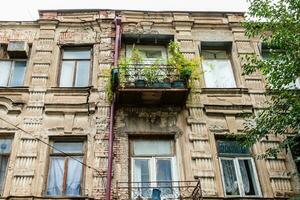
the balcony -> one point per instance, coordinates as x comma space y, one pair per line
142, 84
164, 190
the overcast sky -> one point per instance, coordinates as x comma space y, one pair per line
11, 10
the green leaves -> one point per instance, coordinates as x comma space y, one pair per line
277, 24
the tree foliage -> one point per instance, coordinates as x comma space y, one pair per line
277, 24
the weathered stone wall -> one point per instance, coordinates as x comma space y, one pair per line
44, 110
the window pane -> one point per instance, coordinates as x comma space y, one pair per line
152, 147
230, 178
67, 74
141, 175
77, 54
55, 177
218, 73
231, 147
164, 174
3, 166
5, 145
68, 147
74, 177
249, 185
4, 72
82, 74
156, 54
18, 73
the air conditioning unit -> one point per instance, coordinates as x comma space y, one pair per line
18, 49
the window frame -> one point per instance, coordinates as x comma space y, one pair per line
11, 70
66, 159
162, 48
228, 52
235, 157
153, 160
61, 60
8, 160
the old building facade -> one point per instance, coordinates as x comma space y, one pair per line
62, 136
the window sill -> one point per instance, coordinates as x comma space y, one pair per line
70, 89
224, 90
14, 88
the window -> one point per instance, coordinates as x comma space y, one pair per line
238, 169
153, 166
65, 173
12, 72
149, 54
217, 69
75, 68
5, 148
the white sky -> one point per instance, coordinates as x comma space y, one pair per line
12, 10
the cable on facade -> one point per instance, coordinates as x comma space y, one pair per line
51, 146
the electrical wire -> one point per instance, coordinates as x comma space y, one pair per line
51, 146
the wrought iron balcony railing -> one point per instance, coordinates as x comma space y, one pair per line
149, 76
166, 190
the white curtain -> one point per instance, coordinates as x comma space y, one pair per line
4, 72
56, 174
245, 177
230, 179
218, 73
74, 177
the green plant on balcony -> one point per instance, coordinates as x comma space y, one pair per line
187, 68
151, 74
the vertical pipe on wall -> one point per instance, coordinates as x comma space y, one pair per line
112, 112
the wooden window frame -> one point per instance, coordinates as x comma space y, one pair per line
66, 159
236, 158
76, 48
228, 54
11, 70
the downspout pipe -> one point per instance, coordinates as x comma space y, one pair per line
117, 22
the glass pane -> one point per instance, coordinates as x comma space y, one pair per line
74, 177
156, 54
231, 147
3, 166
141, 175
68, 147
18, 73
5, 145
82, 74
55, 177
214, 54
218, 74
152, 147
67, 74
77, 54
4, 72
164, 176
230, 178
249, 185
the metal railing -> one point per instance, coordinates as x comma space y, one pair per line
152, 76
167, 190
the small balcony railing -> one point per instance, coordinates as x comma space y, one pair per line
149, 84
164, 190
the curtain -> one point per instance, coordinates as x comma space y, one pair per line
142, 176
74, 177
3, 166
164, 173
67, 73
56, 174
218, 73
245, 177
4, 72
230, 179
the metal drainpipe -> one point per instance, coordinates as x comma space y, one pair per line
112, 113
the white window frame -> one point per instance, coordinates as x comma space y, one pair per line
152, 169
239, 176
11, 71
161, 48
228, 59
